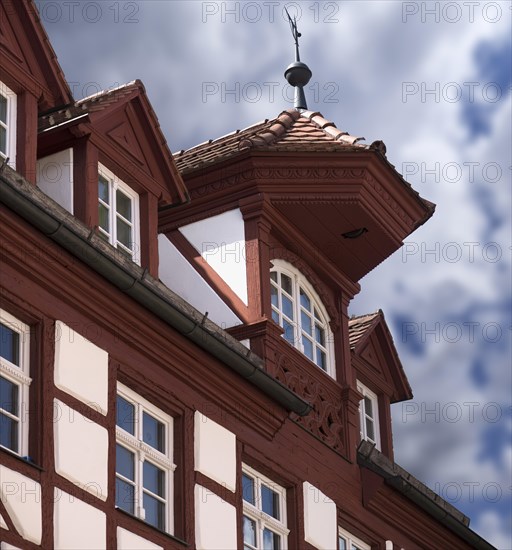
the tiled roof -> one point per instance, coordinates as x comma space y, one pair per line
360, 325
292, 130
91, 104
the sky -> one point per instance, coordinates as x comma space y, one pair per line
433, 81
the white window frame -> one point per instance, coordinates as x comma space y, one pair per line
10, 125
114, 184
256, 513
141, 450
20, 376
351, 542
363, 415
298, 282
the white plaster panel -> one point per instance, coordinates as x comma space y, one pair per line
77, 525
81, 368
7, 546
126, 540
54, 176
21, 497
176, 272
3, 525
81, 450
320, 518
221, 242
215, 451
215, 521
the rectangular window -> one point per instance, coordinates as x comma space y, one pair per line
14, 383
264, 512
369, 415
346, 541
7, 125
118, 214
144, 460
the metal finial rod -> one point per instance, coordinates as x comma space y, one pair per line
295, 33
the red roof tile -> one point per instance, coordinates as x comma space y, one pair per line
292, 130
359, 326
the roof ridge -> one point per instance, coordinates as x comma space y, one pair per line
103, 93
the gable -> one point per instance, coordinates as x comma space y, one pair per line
26, 57
376, 360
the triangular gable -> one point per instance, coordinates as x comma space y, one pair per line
377, 360
26, 56
125, 129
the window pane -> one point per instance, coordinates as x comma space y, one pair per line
3, 109
248, 488
104, 222
124, 233
3, 140
370, 431
320, 335
154, 479
275, 316
308, 348
125, 415
368, 406
287, 307
304, 300
153, 432
286, 284
271, 541
125, 496
155, 511
321, 359
103, 190
289, 334
273, 296
9, 396
249, 531
124, 205
273, 276
305, 321
342, 543
269, 501
9, 433
125, 462
9, 344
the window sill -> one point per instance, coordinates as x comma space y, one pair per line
9, 459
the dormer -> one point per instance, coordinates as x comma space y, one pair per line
285, 218
380, 378
105, 160
31, 80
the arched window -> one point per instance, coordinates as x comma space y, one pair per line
297, 308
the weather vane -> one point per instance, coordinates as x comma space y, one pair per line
298, 74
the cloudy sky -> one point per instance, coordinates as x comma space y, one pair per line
431, 79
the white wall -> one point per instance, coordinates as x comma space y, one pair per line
77, 525
54, 176
215, 451
215, 521
81, 368
320, 518
126, 540
177, 274
221, 242
21, 497
81, 450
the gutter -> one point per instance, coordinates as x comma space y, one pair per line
59, 225
429, 501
